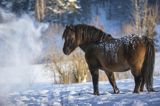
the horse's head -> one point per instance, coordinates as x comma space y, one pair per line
70, 39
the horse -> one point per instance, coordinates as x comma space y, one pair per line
102, 51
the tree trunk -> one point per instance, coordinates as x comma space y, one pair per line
40, 10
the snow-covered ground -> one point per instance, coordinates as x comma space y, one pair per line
47, 94
36, 88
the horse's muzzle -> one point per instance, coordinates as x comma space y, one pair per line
66, 51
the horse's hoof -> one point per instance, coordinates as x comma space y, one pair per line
116, 91
141, 90
152, 90
96, 93
135, 91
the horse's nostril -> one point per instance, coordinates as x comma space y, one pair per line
66, 51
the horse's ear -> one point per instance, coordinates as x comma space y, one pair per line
109, 36
71, 27
67, 26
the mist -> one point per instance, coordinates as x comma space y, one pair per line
20, 46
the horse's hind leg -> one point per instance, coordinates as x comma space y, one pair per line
137, 79
95, 75
112, 81
142, 85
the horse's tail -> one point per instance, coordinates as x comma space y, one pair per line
148, 65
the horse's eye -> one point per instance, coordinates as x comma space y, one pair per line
109, 35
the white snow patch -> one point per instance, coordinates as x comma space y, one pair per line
82, 95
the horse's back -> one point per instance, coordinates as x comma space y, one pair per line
118, 55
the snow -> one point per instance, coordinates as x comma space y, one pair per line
43, 94
64, 6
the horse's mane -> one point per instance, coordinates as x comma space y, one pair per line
89, 33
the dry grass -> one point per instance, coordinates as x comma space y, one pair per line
67, 69
81, 69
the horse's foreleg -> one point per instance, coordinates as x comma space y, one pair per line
112, 81
95, 76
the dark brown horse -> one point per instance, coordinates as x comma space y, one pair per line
102, 51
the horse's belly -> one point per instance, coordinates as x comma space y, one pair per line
117, 67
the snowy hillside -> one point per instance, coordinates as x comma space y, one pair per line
44, 94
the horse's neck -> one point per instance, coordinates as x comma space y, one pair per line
84, 47
88, 36
86, 43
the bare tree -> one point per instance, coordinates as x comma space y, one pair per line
145, 17
40, 9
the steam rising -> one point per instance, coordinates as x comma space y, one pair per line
20, 46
